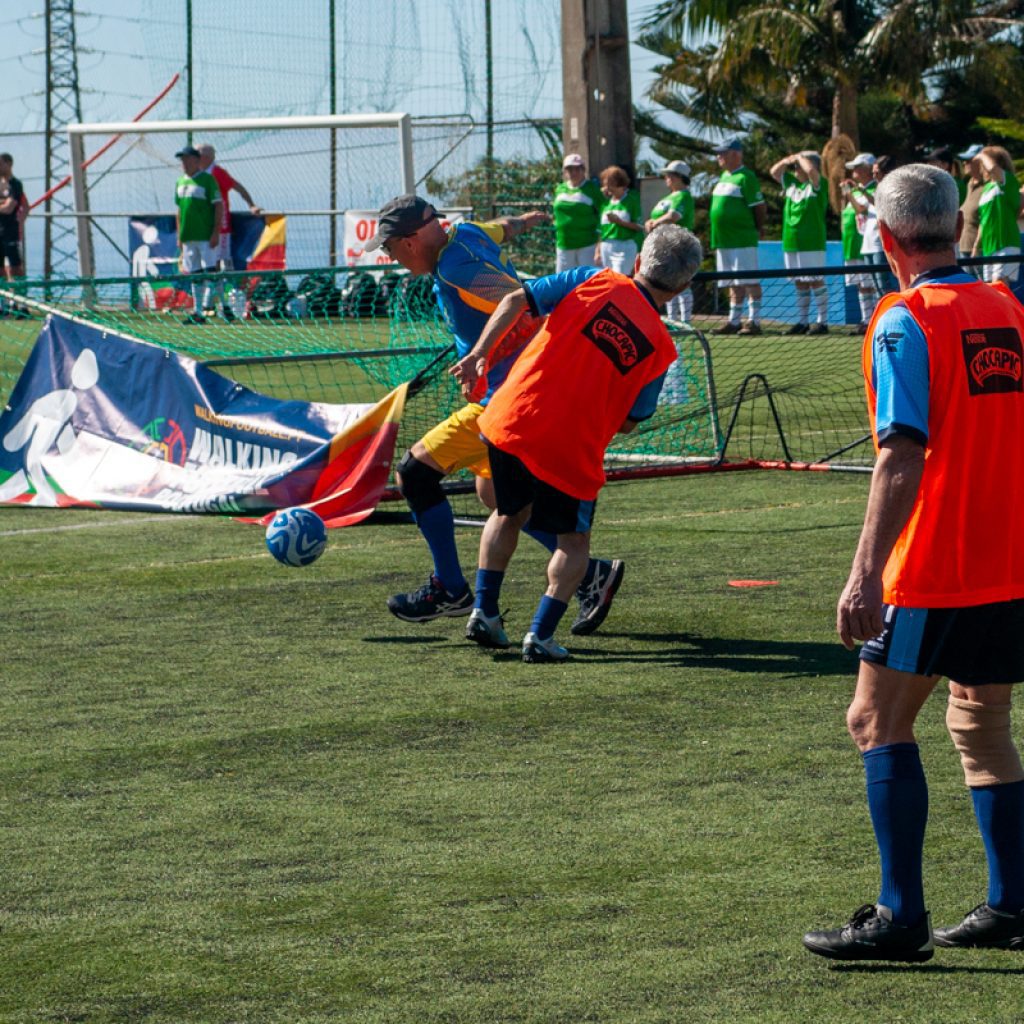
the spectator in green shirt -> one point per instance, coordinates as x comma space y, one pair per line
675, 208
199, 212
621, 225
737, 221
998, 210
577, 214
803, 234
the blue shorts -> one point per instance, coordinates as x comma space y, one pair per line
971, 646
553, 510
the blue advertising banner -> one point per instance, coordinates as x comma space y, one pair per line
99, 419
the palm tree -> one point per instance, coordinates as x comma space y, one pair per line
783, 52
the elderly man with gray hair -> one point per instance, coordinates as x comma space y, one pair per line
594, 368
937, 584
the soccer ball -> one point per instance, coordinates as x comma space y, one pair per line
296, 536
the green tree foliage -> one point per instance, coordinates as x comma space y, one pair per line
508, 188
808, 66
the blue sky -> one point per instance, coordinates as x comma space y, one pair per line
261, 57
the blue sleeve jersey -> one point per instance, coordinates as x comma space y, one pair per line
900, 369
545, 293
473, 275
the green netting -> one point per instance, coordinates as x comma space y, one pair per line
343, 336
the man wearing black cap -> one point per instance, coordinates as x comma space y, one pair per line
198, 217
471, 276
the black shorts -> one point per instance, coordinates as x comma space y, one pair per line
971, 646
10, 252
515, 487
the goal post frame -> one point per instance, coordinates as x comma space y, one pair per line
401, 122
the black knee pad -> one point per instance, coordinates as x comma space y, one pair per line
421, 484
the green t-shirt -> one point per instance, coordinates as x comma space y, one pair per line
732, 221
577, 213
852, 237
997, 216
681, 202
629, 207
195, 198
803, 214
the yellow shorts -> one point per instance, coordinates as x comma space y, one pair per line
455, 442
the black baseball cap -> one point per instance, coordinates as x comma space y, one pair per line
400, 218
187, 151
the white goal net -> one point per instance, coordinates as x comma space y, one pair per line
310, 169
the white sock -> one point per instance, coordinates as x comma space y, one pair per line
734, 313
803, 304
868, 300
821, 303
754, 309
686, 300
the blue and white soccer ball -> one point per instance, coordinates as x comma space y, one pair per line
296, 536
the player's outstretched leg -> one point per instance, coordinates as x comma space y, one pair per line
596, 593
446, 593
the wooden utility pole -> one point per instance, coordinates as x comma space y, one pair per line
597, 101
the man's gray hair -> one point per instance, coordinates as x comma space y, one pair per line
670, 257
918, 203
206, 149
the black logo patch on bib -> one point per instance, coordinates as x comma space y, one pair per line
618, 338
995, 360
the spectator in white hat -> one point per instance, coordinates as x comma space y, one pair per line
577, 213
860, 230
675, 208
970, 160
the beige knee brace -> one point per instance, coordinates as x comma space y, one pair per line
981, 734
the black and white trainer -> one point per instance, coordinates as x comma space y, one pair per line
540, 652
871, 935
596, 596
984, 928
431, 601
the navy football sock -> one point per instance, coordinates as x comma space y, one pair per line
488, 589
898, 802
437, 524
1000, 814
545, 620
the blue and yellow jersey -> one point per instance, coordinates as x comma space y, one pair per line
473, 275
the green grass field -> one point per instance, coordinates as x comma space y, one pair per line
237, 792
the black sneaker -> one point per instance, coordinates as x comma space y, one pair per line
818, 329
797, 329
194, 318
596, 596
984, 928
729, 327
750, 328
431, 601
871, 935
229, 315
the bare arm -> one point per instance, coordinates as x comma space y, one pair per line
779, 167
894, 488
218, 212
760, 213
809, 168
247, 199
515, 226
992, 169
468, 370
